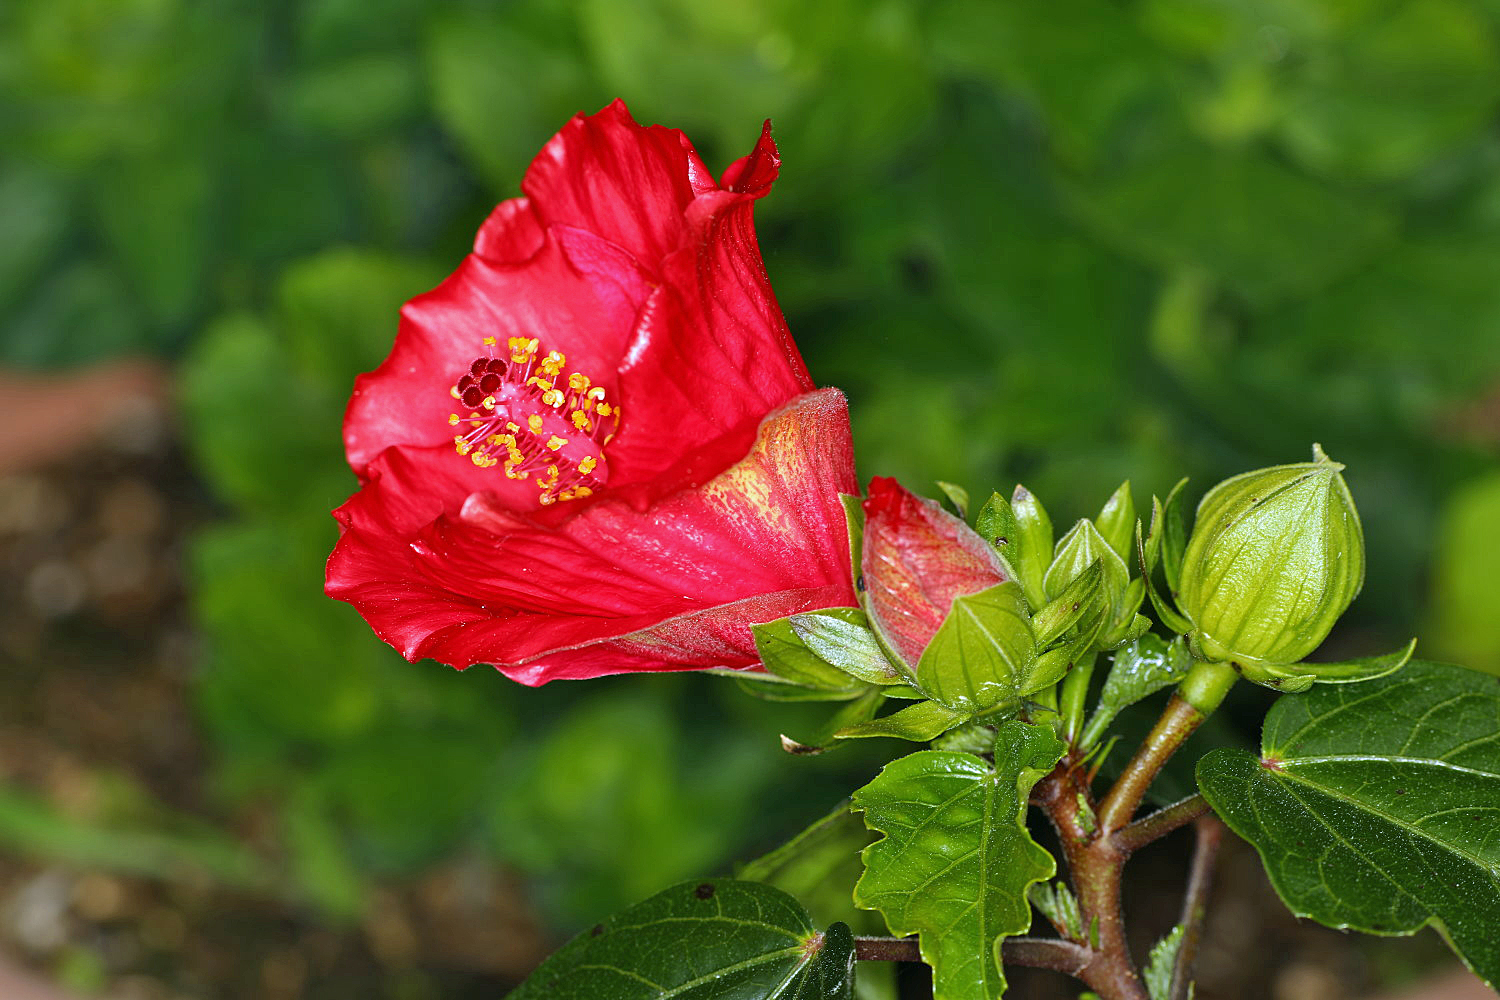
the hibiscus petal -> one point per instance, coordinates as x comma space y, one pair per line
511, 234
497, 586
627, 183
577, 294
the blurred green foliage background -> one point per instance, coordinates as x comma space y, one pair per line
1065, 243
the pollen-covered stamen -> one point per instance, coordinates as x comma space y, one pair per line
525, 413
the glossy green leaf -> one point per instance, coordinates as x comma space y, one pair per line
1375, 806
1077, 601
919, 723
978, 657
842, 637
1167, 540
1035, 548
997, 523
785, 655
710, 940
1079, 549
854, 520
957, 861
1139, 670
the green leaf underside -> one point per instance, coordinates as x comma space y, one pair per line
842, 637
786, 656
1376, 806
956, 861
978, 657
711, 940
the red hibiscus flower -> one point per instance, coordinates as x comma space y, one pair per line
917, 558
595, 448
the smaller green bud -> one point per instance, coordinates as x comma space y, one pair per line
1275, 557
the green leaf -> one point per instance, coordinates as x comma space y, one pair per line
1374, 806
978, 657
956, 860
1168, 537
926, 720
1058, 905
769, 687
702, 941
1140, 669
1161, 962
1116, 522
842, 637
1035, 545
784, 654
1079, 549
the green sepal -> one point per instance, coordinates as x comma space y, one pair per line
977, 659
997, 523
854, 520
1292, 678
1059, 906
1165, 613
924, 721
1174, 534
856, 712
1138, 626
1034, 532
785, 655
1116, 522
1069, 607
769, 688
957, 496
842, 637
1161, 964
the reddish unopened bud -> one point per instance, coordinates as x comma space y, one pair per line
917, 558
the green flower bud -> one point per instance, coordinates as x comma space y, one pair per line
1275, 557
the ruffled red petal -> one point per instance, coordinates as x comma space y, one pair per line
611, 588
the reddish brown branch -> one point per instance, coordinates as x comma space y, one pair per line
1195, 902
1160, 823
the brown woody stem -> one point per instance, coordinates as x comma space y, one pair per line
1195, 902
1035, 953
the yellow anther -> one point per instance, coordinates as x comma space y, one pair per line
453, 420
522, 349
461, 446
587, 465
553, 398
453, 391
553, 363
555, 443
489, 341
578, 382
512, 426
489, 403
547, 499
582, 491
535, 423
597, 392
539, 382
581, 420
605, 409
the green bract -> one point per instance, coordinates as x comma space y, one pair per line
1275, 557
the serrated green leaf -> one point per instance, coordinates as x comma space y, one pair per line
1139, 670
784, 654
919, 723
978, 657
1116, 522
957, 861
707, 940
1159, 966
1034, 529
842, 638
1374, 806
